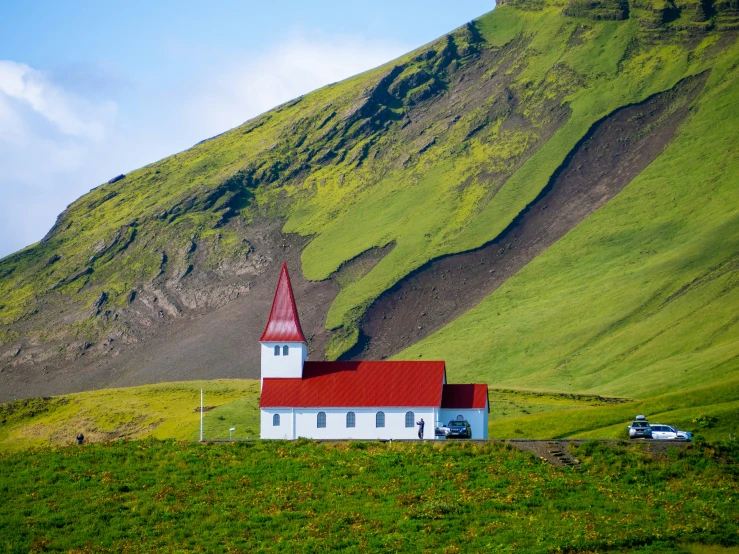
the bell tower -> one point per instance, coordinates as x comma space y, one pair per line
284, 349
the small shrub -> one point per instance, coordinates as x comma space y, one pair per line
705, 421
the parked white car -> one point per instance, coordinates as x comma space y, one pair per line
441, 429
668, 432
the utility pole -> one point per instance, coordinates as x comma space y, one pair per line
201, 415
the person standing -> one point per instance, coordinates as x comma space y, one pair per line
80, 438
420, 428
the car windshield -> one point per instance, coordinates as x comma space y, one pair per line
640, 424
457, 424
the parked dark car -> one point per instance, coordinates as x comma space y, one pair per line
453, 429
640, 428
459, 429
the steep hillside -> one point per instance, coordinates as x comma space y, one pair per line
581, 156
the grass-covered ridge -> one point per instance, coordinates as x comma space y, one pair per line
163, 411
711, 412
355, 497
639, 299
170, 411
436, 153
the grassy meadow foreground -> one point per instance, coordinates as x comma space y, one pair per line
118, 494
308, 497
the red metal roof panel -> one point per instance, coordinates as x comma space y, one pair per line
464, 396
358, 384
283, 324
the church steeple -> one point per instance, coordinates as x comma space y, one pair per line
284, 348
283, 324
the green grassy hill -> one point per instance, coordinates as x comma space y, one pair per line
276, 496
639, 299
170, 411
711, 412
435, 153
163, 411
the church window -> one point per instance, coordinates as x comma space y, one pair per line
276, 420
285, 350
321, 420
277, 350
409, 417
350, 419
380, 419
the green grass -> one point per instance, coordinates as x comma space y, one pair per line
243, 414
167, 410
510, 403
573, 419
308, 497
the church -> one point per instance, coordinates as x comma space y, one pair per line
353, 400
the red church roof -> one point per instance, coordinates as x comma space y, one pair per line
358, 384
465, 397
283, 324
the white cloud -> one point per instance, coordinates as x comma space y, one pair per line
242, 90
51, 141
58, 141
69, 114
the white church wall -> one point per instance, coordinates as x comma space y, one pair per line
365, 423
281, 365
478, 419
282, 431
306, 423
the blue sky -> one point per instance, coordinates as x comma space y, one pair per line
89, 90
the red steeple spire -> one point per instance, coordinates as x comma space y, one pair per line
283, 324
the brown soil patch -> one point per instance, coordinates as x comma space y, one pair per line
560, 454
196, 344
614, 151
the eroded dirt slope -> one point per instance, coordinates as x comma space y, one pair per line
612, 153
199, 343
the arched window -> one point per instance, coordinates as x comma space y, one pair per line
380, 419
409, 419
276, 420
277, 350
350, 419
285, 350
460, 417
321, 420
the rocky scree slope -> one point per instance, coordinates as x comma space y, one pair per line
167, 273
